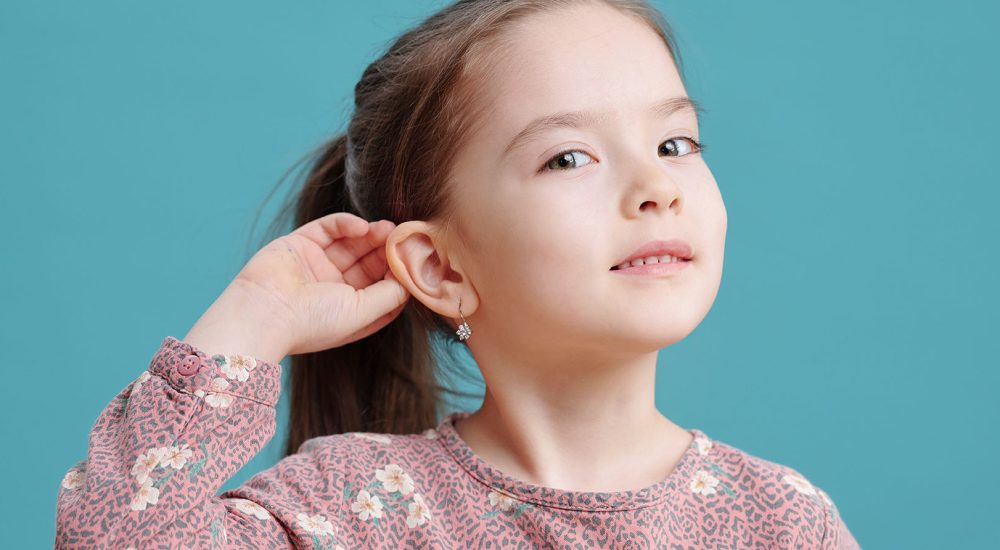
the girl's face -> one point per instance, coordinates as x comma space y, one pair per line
544, 219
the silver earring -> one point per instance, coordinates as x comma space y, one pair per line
464, 330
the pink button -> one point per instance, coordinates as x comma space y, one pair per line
190, 365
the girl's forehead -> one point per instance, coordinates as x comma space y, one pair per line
591, 61
525, 99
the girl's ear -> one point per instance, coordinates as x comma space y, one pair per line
418, 257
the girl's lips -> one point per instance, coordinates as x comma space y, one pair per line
665, 268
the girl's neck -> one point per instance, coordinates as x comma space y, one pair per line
632, 449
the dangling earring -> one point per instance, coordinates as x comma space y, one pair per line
464, 330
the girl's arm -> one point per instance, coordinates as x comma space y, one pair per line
163, 447
836, 535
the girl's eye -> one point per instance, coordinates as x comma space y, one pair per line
680, 146
564, 159
673, 147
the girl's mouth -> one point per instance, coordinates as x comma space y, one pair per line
664, 265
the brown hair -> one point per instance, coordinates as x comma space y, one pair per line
412, 108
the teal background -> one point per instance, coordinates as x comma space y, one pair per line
853, 337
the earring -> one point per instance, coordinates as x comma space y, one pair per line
464, 330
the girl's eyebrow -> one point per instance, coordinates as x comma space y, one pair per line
576, 119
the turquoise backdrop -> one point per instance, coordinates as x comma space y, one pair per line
854, 143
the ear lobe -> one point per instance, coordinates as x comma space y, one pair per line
415, 259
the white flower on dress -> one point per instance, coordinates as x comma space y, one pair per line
367, 505
800, 483
393, 478
73, 479
381, 438
146, 462
176, 457
238, 367
704, 444
704, 483
212, 397
419, 512
430, 433
251, 508
219, 400
138, 382
147, 494
503, 500
317, 525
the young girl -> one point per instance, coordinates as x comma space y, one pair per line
541, 160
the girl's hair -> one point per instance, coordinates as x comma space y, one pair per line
412, 108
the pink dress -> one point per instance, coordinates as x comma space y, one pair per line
160, 451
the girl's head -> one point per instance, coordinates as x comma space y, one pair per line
524, 148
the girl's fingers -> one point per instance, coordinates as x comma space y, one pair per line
344, 253
325, 230
367, 270
351, 244
376, 325
318, 263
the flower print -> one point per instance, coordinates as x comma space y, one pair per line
393, 478
502, 500
238, 367
147, 494
381, 438
419, 512
317, 524
73, 479
176, 457
138, 382
704, 444
218, 384
251, 508
504, 504
800, 483
704, 483
146, 462
219, 400
430, 433
367, 505
213, 397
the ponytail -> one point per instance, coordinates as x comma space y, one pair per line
384, 383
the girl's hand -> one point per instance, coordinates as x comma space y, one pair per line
323, 285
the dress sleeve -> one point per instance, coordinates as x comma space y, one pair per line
836, 535
161, 449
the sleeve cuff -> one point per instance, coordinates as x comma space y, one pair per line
217, 378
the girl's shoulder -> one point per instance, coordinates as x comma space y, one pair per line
771, 494
770, 481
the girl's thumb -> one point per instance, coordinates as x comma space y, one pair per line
379, 298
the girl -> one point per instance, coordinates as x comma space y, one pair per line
542, 161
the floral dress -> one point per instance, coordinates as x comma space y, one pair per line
162, 448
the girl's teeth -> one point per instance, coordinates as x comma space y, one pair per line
649, 260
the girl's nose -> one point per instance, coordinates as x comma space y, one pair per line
650, 185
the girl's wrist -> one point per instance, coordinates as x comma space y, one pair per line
242, 321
